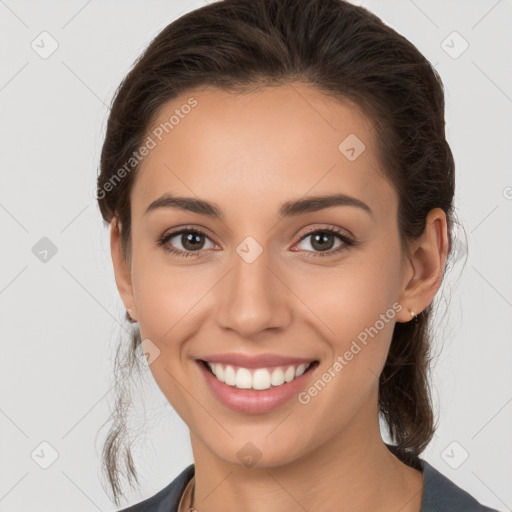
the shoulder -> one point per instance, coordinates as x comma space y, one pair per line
440, 494
168, 498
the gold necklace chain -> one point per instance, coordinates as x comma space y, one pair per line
187, 497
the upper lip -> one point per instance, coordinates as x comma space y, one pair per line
259, 361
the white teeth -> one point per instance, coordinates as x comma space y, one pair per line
277, 377
219, 372
300, 370
261, 378
243, 378
230, 376
289, 374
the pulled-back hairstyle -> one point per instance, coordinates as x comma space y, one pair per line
345, 52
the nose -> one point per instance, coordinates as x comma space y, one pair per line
253, 297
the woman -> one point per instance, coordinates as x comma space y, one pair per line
280, 191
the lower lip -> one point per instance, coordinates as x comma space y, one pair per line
254, 401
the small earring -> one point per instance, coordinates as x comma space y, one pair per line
413, 314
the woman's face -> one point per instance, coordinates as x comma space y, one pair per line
266, 278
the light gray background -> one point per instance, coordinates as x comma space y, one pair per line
61, 319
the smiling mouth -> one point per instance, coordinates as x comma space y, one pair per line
257, 378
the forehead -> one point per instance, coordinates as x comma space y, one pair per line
272, 143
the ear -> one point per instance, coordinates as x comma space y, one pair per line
121, 268
425, 266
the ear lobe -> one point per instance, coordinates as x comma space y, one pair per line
427, 259
121, 268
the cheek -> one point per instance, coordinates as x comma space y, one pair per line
166, 301
353, 296
165, 295
356, 305
346, 298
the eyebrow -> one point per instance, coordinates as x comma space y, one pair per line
288, 209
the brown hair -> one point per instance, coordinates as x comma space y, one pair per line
346, 52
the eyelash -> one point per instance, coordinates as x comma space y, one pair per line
348, 242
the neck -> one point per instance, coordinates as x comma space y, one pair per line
354, 470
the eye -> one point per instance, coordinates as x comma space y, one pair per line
192, 241
323, 240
